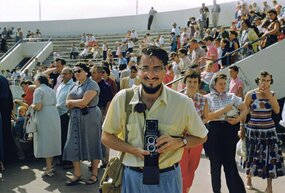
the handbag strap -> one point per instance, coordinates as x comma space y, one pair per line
128, 110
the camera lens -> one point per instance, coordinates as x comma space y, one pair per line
151, 140
151, 148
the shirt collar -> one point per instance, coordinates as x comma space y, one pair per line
137, 89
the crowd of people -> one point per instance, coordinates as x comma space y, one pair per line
76, 107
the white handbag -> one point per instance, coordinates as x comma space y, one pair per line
31, 126
241, 148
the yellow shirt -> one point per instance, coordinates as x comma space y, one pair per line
175, 113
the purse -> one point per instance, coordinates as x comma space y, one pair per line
241, 148
111, 181
31, 126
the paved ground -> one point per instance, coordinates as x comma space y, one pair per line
25, 177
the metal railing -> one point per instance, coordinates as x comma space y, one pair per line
10, 50
39, 51
229, 54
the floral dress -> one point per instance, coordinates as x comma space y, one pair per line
264, 156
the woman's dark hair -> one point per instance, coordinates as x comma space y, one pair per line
227, 42
262, 75
246, 22
42, 78
192, 74
183, 51
220, 76
272, 11
84, 67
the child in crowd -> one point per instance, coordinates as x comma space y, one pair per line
18, 130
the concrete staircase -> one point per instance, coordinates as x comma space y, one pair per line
62, 45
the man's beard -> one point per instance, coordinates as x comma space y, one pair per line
151, 90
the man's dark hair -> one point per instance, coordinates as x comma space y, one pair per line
134, 68
157, 52
107, 70
233, 32
234, 68
207, 38
62, 61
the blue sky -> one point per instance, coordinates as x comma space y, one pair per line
28, 10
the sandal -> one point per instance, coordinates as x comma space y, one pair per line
48, 173
73, 181
92, 180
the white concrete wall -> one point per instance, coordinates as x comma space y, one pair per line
23, 50
113, 25
41, 56
12, 59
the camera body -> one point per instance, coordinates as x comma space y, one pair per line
151, 162
84, 111
151, 135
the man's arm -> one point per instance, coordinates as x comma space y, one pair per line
168, 143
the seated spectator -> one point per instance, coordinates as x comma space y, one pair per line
83, 40
74, 52
273, 30
18, 130
225, 46
84, 53
91, 40
38, 34
234, 45
161, 40
134, 36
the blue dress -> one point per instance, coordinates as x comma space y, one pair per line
264, 156
84, 131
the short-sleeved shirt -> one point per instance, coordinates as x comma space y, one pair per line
175, 113
213, 51
217, 101
235, 85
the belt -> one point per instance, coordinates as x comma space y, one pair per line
140, 169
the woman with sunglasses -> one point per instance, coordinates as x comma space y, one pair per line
264, 157
84, 132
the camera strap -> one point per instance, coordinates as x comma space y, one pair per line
128, 110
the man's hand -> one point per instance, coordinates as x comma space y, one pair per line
168, 143
140, 152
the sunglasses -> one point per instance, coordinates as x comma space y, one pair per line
77, 71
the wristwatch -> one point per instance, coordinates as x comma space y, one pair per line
184, 140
